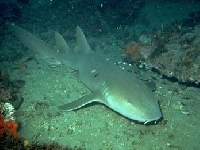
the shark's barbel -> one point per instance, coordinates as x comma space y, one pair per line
110, 85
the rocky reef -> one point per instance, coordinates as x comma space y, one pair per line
172, 51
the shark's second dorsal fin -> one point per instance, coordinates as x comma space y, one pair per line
81, 42
61, 43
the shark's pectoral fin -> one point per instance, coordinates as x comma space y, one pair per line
93, 97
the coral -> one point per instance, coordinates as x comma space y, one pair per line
10, 126
139, 53
132, 51
132, 48
7, 110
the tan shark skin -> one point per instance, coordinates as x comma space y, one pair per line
110, 85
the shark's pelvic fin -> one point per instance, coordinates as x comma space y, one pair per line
80, 102
81, 42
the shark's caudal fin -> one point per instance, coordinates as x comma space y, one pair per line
29, 40
60, 52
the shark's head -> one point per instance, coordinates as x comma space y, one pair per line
140, 105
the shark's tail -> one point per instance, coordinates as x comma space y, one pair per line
29, 40
61, 51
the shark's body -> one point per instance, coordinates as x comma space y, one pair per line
110, 85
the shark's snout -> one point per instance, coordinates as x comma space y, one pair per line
142, 112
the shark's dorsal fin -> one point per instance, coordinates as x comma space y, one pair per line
61, 43
81, 42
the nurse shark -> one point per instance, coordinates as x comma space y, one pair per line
110, 85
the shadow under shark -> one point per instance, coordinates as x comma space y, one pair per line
116, 88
